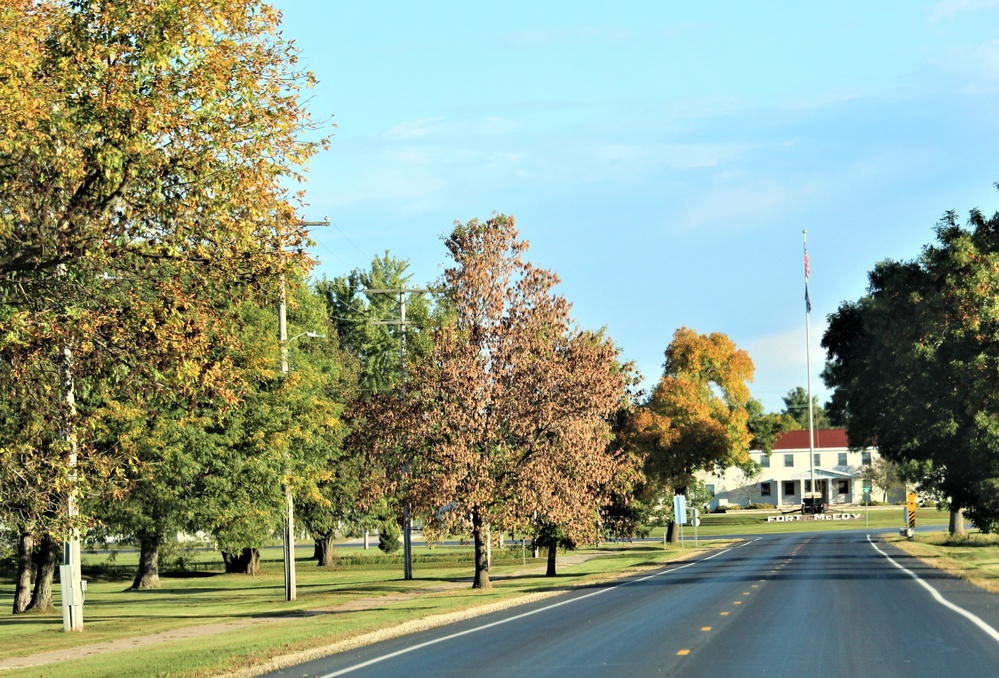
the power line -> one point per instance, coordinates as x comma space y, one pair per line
348, 239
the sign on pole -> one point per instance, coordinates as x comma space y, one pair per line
910, 509
680, 509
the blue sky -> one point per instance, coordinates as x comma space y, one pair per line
662, 157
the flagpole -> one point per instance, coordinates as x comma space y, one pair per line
808, 364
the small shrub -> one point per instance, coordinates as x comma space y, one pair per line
761, 507
388, 537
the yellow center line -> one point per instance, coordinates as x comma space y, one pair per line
737, 602
705, 628
683, 653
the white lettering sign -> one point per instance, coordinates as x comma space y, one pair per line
819, 516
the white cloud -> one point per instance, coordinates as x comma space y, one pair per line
974, 67
540, 38
737, 203
781, 364
414, 129
948, 9
673, 156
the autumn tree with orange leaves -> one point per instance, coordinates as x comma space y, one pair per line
696, 418
507, 417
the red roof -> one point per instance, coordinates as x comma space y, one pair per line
824, 439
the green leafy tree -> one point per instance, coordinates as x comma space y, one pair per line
218, 465
765, 427
796, 407
145, 152
914, 363
369, 330
365, 322
883, 474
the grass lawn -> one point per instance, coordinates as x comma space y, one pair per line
753, 522
974, 557
337, 603
270, 626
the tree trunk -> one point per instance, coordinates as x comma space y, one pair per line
324, 547
956, 527
246, 562
367, 535
673, 532
22, 589
552, 552
148, 575
481, 580
46, 559
317, 550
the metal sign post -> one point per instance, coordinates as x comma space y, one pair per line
867, 503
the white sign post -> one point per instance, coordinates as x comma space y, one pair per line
680, 513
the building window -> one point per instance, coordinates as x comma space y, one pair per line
865, 457
843, 486
842, 459
765, 460
788, 460
817, 459
808, 486
788, 488
764, 489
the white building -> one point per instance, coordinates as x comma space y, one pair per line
787, 473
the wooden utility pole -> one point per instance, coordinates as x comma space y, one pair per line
407, 537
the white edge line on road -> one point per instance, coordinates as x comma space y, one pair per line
397, 653
974, 619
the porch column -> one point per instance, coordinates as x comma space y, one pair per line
777, 483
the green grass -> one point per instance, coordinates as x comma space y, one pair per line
751, 522
974, 557
112, 612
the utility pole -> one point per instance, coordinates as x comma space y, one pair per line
290, 590
407, 537
70, 577
71, 581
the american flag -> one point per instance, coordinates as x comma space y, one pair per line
808, 272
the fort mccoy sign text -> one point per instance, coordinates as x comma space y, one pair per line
831, 516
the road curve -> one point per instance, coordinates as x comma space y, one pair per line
829, 604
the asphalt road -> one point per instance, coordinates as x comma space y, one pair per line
813, 604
